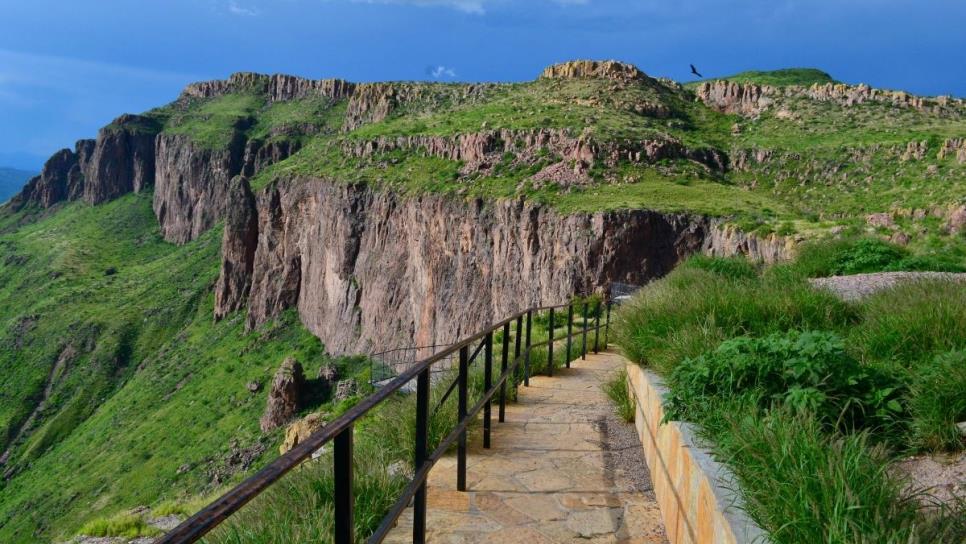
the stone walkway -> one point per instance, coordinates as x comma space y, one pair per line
552, 474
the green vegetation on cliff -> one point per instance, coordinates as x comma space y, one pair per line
778, 78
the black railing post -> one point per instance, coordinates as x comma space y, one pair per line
487, 384
344, 502
550, 346
462, 382
504, 364
607, 327
419, 457
570, 330
597, 328
583, 351
526, 362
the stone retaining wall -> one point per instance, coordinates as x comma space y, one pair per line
690, 485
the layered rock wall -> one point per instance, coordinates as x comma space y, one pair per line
370, 270
750, 99
191, 192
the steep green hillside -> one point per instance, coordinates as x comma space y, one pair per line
108, 329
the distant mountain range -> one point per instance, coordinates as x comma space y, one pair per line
11, 181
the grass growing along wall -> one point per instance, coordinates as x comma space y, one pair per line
803, 479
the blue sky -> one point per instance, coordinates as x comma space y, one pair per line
69, 67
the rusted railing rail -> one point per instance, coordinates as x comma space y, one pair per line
340, 430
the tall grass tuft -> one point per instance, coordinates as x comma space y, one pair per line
804, 485
616, 390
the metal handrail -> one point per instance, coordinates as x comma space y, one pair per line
340, 431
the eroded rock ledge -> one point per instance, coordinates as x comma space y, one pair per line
751, 99
481, 149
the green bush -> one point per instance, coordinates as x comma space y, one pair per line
939, 402
809, 372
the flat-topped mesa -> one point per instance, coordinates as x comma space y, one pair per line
279, 87
602, 69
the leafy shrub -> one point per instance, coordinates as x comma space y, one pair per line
939, 402
616, 390
809, 372
735, 268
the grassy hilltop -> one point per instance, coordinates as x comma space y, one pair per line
117, 389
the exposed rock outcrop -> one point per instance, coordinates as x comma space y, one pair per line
299, 431
239, 241
278, 87
260, 154
285, 396
607, 69
751, 99
953, 147
724, 240
956, 222
122, 159
56, 182
192, 181
747, 99
481, 149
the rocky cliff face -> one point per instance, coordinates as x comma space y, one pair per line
608, 69
122, 159
191, 192
58, 179
239, 241
279, 87
750, 99
371, 270
119, 161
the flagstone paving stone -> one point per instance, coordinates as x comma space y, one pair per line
548, 477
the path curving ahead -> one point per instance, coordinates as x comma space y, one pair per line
562, 468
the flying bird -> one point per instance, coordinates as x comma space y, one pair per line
695, 71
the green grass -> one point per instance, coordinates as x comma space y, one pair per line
781, 78
213, 123
616, 390
122, 525
886, 372
153, 383
804, 485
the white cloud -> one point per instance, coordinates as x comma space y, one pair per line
236, 9
476, 7
441, 71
